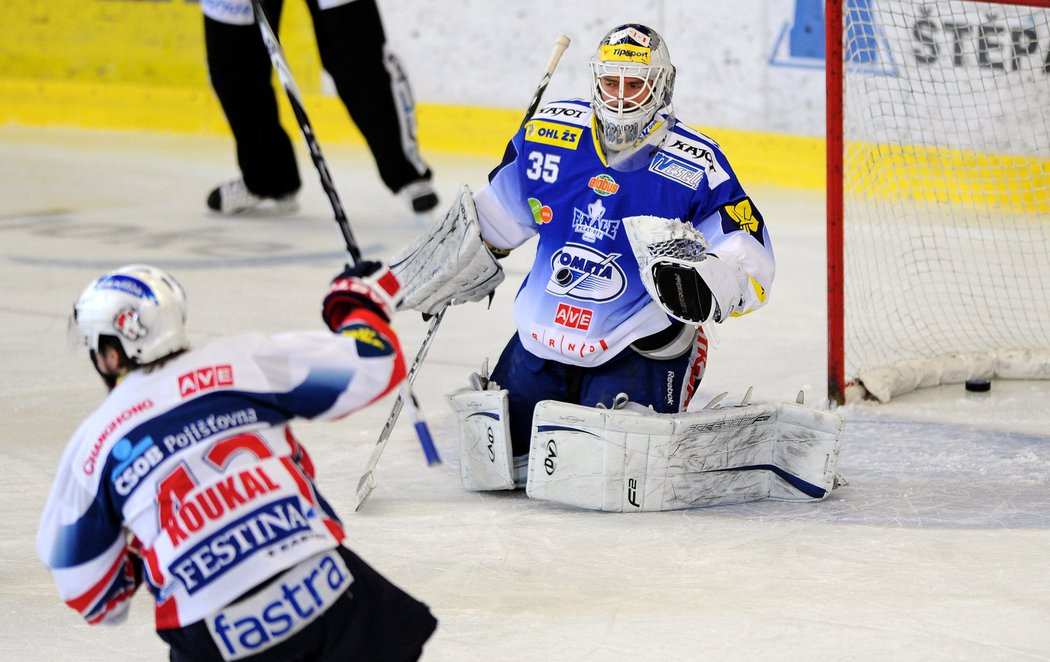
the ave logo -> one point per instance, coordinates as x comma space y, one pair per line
573, 317
205, 379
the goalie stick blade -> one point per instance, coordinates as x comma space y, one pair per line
365, 488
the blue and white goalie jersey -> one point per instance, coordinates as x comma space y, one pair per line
583, 302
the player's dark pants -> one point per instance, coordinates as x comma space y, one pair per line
350, 40
373, 620
667, 385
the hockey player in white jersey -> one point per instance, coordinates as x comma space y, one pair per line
645, 238
189, 478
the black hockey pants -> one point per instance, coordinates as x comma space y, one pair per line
373, 620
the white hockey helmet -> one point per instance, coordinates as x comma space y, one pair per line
626, 115
143, 307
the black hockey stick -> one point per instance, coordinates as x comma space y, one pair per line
295, 99
367, 483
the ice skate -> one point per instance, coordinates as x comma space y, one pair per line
233, 198
420, 198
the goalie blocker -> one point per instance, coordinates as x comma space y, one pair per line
624, 460
449, 263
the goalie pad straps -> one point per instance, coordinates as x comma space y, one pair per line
484, 439
688, 283
624, 460
448, 263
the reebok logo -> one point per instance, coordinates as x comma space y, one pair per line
205, 379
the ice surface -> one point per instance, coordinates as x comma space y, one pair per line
938, 549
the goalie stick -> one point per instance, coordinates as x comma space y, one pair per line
368, 482
295, 99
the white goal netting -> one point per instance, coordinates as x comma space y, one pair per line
946, 161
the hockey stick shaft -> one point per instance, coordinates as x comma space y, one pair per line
368, 481
560, 44
295, 99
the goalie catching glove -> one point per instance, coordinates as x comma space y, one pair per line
688, 283
449, 263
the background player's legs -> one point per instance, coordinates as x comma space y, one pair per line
375, 91
241, 74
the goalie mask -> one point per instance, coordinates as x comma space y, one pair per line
632, 80
141, 306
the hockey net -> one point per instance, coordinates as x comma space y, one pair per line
938, 193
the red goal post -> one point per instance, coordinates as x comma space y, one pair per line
938, 193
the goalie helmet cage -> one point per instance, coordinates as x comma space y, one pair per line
938, 193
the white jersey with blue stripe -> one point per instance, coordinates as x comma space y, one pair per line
195, 462
583, 301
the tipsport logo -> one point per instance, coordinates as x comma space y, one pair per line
580, 272
593, 225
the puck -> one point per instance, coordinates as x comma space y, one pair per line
978, 385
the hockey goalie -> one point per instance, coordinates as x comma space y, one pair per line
645, 238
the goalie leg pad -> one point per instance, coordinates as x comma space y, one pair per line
624, 460
449, 263
807, 448
485, 461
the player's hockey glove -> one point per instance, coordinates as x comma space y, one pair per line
368, 285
